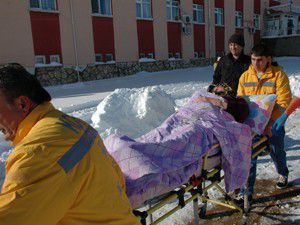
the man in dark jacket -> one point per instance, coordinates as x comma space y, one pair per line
231, 66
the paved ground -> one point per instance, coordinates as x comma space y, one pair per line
272, 206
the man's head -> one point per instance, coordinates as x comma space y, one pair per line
236, 44
20, 92
261, 57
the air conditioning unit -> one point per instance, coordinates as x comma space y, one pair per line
186, 19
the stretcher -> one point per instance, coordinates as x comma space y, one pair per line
197, 188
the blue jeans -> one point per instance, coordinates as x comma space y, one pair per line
278, 155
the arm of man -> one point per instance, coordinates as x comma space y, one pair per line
283, 92
241, 86
218, 72
34, 192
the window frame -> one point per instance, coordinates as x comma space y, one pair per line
171, 7
219, 12
101, 56
43, 57
256, 17
98, 13
238, 19
196, 10
109, 55
142, 2
40, 8
55, 56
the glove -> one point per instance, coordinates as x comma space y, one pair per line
279, 123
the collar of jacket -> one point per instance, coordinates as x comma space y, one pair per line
230, 56
267, 74
25, 126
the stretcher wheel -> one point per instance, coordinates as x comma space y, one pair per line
202, 212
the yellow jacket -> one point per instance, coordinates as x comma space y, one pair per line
273, 81
60, 173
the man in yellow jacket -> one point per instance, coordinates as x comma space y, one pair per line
59, 171
263, 77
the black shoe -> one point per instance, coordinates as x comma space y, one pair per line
240, 199
282, 182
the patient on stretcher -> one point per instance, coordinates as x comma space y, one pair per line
167, 156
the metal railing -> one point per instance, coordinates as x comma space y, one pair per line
281, 32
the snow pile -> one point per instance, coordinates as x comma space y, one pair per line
132, 111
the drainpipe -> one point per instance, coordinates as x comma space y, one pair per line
209, 29
74, 40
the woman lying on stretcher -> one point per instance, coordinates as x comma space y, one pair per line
236, 106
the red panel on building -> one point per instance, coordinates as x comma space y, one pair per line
219, 3
239, 5
103, 30
174, 37
274, 3
220, 36
200, 2
239, 31
256, 37
199, 39
145, 36
257, 6
46, 34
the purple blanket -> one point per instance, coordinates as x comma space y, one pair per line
170, 154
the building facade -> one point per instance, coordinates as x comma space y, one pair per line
78, 33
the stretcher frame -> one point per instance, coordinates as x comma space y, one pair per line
198, 189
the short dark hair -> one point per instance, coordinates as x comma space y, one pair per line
16, 81
261, 49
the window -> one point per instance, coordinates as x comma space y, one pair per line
151, 55
43, 4
196, 56
54, 59
219, 16
256, 21
109, 57
102, 7
40, 59
173, 10
177, 55
143, 9
198, 13
98, 58
238, 19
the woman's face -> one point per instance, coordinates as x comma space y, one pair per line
219, 90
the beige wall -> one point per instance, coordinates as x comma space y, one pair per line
125, 30
83, 31
160, 29
16, 44
229, 15
210, 44
187, 40
248, 22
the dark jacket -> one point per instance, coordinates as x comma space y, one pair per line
230, 70
237, 107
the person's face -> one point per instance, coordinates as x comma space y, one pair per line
260, 63
11, 114
219, 90
235, 49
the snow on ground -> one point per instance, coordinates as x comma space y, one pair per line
135, 104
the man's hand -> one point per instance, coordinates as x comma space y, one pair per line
215, 102
279, 123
